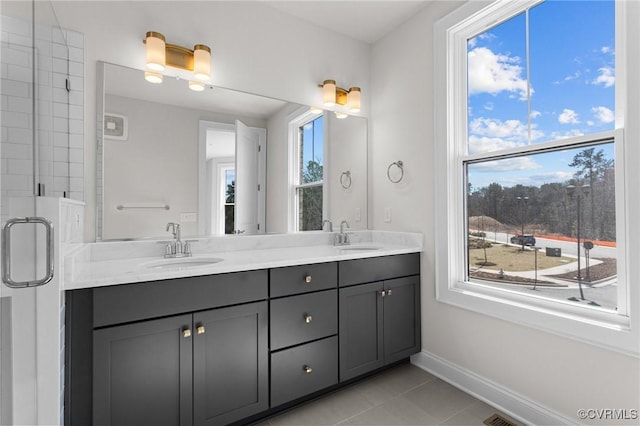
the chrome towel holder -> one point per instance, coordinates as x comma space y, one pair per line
345, 179
398, 164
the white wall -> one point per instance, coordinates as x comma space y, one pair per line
555, 373
255, 48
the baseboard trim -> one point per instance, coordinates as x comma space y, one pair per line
503, 399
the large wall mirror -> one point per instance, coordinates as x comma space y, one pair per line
220, 161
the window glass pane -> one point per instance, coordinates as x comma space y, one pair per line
497, 87
230, 185
529, 217
562, 86
572, 46
310, 208
311, 147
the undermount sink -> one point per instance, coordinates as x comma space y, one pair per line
182, 262
359, 248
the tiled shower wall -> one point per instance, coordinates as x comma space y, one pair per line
58, 105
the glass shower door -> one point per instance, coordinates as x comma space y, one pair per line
35, 136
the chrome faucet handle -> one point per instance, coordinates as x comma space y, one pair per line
187, 247
175, 228
327, 221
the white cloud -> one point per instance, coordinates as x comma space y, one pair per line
603, 114
568, 116
507, 165
606, 49
551, 177
489, 106
494, 73
535, 114
490, 134
606, 77
564, 135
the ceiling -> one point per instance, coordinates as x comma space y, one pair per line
364, 20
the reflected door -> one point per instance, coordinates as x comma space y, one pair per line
250, 176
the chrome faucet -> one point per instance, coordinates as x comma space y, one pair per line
176, 248
328, 227
342, 239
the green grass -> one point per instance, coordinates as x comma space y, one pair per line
511, 258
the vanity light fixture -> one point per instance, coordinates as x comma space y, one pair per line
333, 95
160, 54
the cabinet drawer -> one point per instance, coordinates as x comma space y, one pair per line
299, 319
302, 279
358, 271
141, 301
304, 369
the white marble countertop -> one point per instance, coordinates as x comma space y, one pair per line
102, 264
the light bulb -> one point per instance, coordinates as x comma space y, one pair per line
353, 99
341, 115
196, 86
153, 77
201, 62
155, 49
329, 93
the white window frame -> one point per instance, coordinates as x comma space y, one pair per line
296, 120
615, 331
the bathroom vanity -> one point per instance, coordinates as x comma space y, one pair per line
235, 346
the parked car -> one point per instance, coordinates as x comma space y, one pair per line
529, 240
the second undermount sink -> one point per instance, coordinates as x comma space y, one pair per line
182, 262
359, 248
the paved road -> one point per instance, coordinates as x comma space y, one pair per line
567, 247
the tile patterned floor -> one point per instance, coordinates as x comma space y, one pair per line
404, 395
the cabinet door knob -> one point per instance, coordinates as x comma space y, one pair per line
383, 293
186, 333
388, 292
308, 318
200, 329
307, 369
307, 279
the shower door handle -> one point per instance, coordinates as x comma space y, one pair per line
6, 252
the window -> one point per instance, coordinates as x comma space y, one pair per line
307, 182
531, 144
228, 194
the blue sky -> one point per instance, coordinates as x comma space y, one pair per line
571, 88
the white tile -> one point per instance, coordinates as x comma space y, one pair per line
60, 95
44, 107
60, 154
60, 124
20, 167
76, 69
76, 169
60, 65
76, 141
60, 110
74, 39
45, 139
76, 54
76, 155
59, 80
16, 119
76, 112
76, 98
17, 151
43, 48
58, 36
15, 88
46, 153
17, 182
440, 399
15, 25
19, 73
76, 127
60, 139
60, 169
42, 31
76, 185
19, 57
77, 83
59, 51
19, 104
16, 135
20, 40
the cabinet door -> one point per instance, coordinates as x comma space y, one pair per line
230, 363
401, 318
142, 373
361, 316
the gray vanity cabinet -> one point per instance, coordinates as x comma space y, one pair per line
142, 373
155, 366
380, 320
303, 325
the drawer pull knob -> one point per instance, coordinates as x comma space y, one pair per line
307, 279
307, 369
186, 333
388, 292
200, 329
383, 293
308, 318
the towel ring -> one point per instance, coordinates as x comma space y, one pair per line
345, 179
400, 165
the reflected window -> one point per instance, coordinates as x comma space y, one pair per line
228, 193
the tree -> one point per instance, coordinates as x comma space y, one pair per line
592, 165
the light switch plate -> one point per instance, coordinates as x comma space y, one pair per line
188, 217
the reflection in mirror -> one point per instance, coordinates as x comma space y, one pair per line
216, 162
